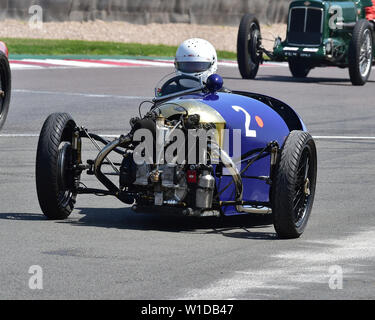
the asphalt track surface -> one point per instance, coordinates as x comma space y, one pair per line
105, 251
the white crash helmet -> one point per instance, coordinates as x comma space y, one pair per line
196, 57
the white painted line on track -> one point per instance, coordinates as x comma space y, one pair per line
18, 135
24, 67
293, 269
143, 63
70, 63
342, 138
89, 95
49, 63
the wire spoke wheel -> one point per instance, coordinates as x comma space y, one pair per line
365, 54
293, 188
302, 189
360, 55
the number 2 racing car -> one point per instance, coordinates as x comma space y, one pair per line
320, 33
199, 151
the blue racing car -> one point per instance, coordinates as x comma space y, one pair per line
200, 150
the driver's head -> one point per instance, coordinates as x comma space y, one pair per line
196, 57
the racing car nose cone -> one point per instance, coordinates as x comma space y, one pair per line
214, 83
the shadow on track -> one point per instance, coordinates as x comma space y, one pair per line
239, 227
125, 218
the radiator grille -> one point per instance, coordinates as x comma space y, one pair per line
305, 26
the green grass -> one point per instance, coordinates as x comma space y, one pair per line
92, 48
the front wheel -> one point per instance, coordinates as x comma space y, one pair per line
293, 188
56, 179
5, 88
299, 68
249, 55
360, 53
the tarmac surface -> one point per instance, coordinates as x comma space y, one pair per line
105, 251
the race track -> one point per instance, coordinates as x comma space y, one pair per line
104, 250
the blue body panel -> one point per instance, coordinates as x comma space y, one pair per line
274, 129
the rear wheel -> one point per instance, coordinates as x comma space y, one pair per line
299, 68
55, 176
293, 188
249, 55
5, 88
360, 53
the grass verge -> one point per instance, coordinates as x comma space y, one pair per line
93, 48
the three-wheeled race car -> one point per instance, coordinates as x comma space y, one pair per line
272, 172
320, 33
5, 83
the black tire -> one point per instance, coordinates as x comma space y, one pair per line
299, 68
293, 189
360, 56
248, 42
54, 177
5, 87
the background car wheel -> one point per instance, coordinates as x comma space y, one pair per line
5, 88
299, 68
293, 189
361, 53
54, 175
248, 42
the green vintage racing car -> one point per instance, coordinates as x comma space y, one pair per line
320, 33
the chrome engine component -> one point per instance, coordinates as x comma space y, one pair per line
201, 213
205, 190
143, 173
174, 192
168, 175
161, 184
170, 187
158, 198
171, 202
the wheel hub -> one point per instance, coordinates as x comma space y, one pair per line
64, 174
306, 188
254, 42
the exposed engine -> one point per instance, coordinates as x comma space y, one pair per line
187, 186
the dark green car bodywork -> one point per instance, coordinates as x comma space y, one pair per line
332, 46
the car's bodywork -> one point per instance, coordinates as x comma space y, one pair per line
278, 120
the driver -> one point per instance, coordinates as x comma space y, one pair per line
195, 60
196, 57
